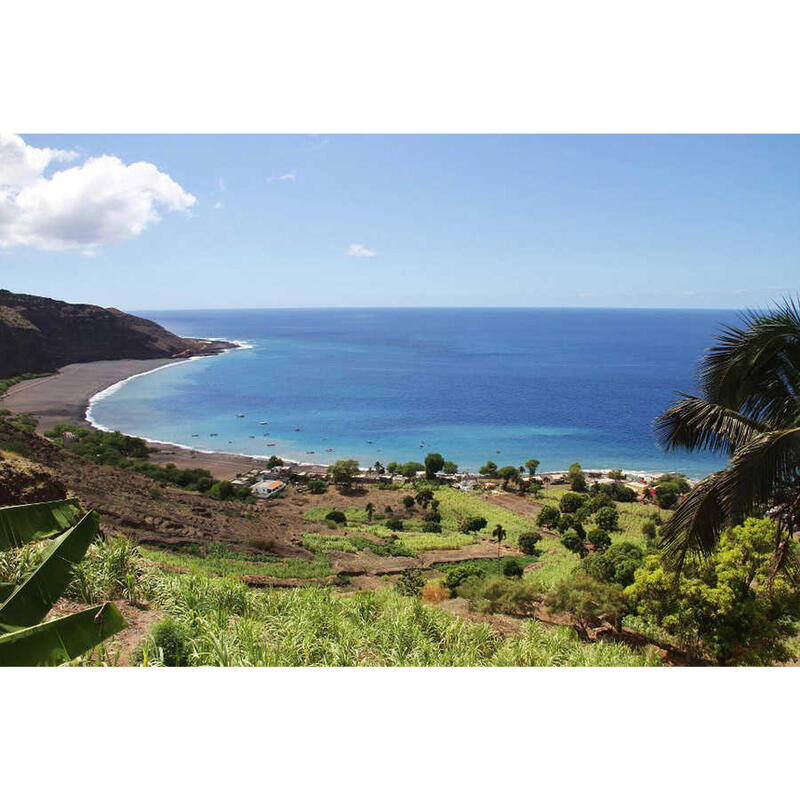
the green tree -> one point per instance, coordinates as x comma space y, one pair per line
508, 474
570, 502
732, 606
370, 509
489, 469
528, 542
450, 468
618, 564
274, 461
342, 473
408, 502
433, 464
393, 468
548, 517
748, 409
590, 602
607, 518
600, 539
532, 464
410, 469
472, 524
394, 524
573, 542
576, 478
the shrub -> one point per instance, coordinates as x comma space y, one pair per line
565, 521
410, 582
317, 486
528, 542
649, 529
394, 524
336, 516
155, 493
570, 502
573, 543
457, 575
497, 595
169, 642
607, 518
472, 524
512, 568
433, 516
600, 539
450, 468
431, 527
618, 564
489, 469
548, 517
408, 502
666, 496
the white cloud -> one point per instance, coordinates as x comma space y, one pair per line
221, 184
218, 204
84, 207
360, 251
289, 176
21, 164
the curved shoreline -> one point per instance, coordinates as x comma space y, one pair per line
70, 394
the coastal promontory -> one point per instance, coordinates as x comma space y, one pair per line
38, 334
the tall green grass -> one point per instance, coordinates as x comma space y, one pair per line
227, 624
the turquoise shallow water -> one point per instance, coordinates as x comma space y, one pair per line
560, 385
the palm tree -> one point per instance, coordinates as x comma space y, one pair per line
748, 409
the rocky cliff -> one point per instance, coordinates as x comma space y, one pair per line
38, 334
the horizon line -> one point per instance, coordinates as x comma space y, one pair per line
441, 308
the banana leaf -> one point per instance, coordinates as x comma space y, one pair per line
62, 639
36, 521
31, 601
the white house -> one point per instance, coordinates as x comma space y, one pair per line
267, 488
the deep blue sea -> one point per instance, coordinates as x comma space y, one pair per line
560, 385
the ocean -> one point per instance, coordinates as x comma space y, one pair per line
560, 385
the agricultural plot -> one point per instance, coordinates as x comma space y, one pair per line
229, 564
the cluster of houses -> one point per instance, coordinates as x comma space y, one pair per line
264, 483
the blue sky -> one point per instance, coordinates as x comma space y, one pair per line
262, 221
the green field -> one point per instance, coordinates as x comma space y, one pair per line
235, 564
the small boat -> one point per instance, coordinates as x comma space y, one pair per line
195, 434
369, 441
328, 449
297, 429
497, 451
213, 434
252, 437
264, 422
270, 444
239, 416
309, 452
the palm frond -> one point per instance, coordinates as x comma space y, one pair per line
724, 498
755, 368
698, 424
696, 524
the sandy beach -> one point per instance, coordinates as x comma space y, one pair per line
64, 396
